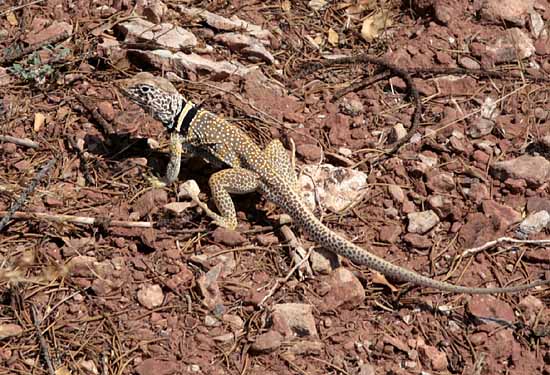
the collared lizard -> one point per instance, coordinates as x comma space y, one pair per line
269, 171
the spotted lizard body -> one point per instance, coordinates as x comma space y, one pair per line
269, 171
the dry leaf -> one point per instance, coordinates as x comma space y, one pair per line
378, 278
12, 19
39, 120
285, 5
374, 24
63, 371
317, 4
332, 37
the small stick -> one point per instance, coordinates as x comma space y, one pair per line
279, 283
58, 218
297, 251
499, 240
395, 70
42, 341
16, 206
83, 161
19, 141
6, 60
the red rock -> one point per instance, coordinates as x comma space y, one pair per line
53, 201
478, 338
478, 192
339, 134
309, 152
150, 202
417, 241
267, 342
440, 182
481, 156
483, 308
389, 233
535, 170
157, 367
180, 280
39, 34
503, 215
433, 358
228, 237
294, 319
106, 109
345, 292
513, 11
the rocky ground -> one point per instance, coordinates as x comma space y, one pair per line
102, 274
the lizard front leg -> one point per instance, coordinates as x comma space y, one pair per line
235, 181
173, 169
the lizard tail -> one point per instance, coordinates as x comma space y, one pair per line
292, 203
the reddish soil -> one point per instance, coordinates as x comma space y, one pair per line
181, 297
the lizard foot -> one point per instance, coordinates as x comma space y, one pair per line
155, 182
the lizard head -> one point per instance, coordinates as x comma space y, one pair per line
156, 95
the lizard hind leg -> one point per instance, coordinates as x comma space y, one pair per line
282, 163
235, 181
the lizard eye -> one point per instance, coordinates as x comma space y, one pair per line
144, 89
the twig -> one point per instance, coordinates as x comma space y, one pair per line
19, 141
297, 251
478, 72
16, 206
278, 283
107, 128
361, 84
58, 218
499, 240
6, 60
17, 7
83, 161
43, 345
402, 73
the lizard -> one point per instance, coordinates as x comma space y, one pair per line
250, 169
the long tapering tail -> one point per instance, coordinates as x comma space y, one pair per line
292, 203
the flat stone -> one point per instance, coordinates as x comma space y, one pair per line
535, 170
54, 30
346, 290
179, 61
267, 342
165, 35
294, 320
417, 241
389, 233
246, 44
504, 215
486, 308
513, 11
